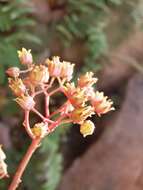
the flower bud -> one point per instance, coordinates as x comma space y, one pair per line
17, 86
39, 74
3, 165
40, 129
87, 128
25, 56
13, 72
26, 102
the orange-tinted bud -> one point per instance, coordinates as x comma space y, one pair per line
3, 165
13, 71
79, 115
25, 56
101, 104
87, 128
40, 129
86, 80
26, 102
39, 74
17, 86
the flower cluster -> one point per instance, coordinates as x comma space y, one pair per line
82, 101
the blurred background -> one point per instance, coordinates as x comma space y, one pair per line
103, 36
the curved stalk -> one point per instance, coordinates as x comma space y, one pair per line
17, 177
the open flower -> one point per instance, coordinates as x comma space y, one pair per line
87, 128
87, 80
13, 72
39, 74
76, 96
79, 115
17, 86
40, 129
25, 56
3, 165
26, 102
101, 104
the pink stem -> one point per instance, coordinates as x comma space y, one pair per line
56, 123
47, 98
54, 91
59, 109
17, 177
27, 125
41, 116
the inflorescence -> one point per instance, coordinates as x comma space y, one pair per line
82, 101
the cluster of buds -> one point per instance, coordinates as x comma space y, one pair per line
82, 101
3, 165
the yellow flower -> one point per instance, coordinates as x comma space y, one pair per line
13, 71
87, 128
17, 86
79, 115
39, 74
26, 102
87, 80
25, 56
76, 96
101, 104
40, 129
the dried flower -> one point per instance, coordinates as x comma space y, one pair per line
79, 115
25, 56
39, 74
60, 69
101, 104
2, 154
54, 66
87, 128
40, 129
67, 70
3, 165
13, 72
26, 102
17, 86
87, 80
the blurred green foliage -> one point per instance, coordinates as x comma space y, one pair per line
14, 23
86, 20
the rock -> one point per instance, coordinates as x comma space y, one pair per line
5, 135
121, 63
115, 162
